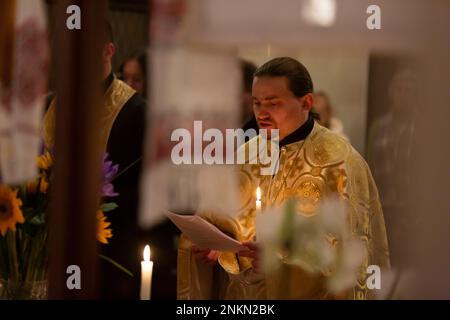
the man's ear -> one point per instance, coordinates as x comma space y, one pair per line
109, 51
308, 101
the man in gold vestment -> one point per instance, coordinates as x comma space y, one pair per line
122, 129
314, 163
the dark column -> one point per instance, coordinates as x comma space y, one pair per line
78, 64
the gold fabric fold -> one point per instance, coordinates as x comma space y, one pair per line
115, 97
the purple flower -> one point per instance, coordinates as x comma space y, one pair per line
108, 190
109, 171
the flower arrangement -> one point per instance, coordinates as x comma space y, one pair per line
318, 244
23, 230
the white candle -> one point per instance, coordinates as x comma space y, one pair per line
258, 200
146, 274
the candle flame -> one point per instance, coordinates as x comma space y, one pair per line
147, 253
258, 193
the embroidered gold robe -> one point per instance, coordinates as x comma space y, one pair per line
115, 97
321, 165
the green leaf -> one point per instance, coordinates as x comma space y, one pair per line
116, 264
38, 219
107, 207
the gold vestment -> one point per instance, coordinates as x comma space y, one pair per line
114, 99
321, 165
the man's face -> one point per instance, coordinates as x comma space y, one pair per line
276, 107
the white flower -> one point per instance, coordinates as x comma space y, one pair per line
348, 260
319, 243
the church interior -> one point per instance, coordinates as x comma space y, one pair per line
102, 93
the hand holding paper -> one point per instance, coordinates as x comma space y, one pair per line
204, 234
206, 255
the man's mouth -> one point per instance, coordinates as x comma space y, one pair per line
263, 124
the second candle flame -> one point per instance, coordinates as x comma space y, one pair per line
258, 193
147, 253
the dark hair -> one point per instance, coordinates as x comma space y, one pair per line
141, 58
108, 32
248, 69
299, 80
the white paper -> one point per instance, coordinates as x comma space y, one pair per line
204, 234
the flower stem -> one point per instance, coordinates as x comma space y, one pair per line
12, 256
116, 264
126, 168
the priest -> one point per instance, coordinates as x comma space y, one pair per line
314, 163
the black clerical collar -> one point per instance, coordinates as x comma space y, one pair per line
299, 134
107, 82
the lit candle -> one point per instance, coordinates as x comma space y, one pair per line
258, 200
146, 274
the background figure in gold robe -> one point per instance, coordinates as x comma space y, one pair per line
314, 164
122, 127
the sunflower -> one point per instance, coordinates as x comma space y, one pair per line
103, 233
10, 213
45, 161
44, 185
32, 186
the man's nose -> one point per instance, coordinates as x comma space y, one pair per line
263, 110
262, 113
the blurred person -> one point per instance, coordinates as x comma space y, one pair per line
133, 72
163, 237
390, 142
315, 163
322, 106
123, 128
